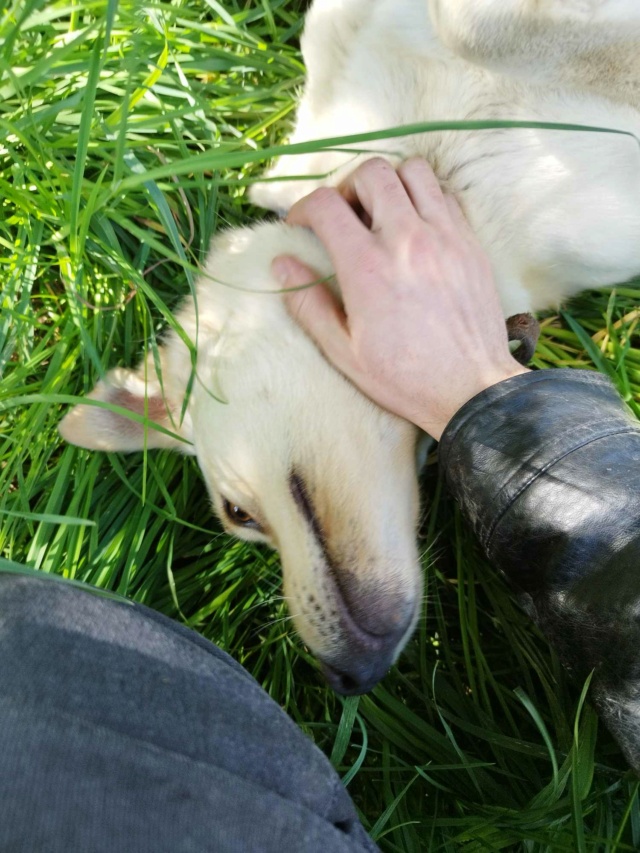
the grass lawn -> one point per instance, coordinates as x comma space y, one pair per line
128, 135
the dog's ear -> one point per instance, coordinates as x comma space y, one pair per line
131, 411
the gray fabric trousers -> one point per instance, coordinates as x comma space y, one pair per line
123, 731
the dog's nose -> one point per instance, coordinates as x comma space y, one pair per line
356, 676
372, 634
374, 609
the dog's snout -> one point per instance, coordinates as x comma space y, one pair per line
353, 682
373, 631
357, 671
374, 608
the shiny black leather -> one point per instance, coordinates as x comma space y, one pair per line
546, 466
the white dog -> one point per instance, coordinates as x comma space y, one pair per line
291, 453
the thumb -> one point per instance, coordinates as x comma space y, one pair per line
312, 304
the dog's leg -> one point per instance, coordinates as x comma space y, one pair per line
331, 28
591, 45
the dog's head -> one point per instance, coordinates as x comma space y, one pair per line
292, 454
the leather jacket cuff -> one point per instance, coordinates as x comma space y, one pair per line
504, 439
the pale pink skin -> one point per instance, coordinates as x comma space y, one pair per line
421, 330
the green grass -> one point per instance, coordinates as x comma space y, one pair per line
128, 134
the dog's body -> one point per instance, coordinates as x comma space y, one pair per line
557, 211
297, 457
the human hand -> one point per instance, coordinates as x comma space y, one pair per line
421, 330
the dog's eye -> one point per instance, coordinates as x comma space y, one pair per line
237, 515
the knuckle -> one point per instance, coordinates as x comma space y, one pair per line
416, 165
376, 165
416, 235
450, 243
423, 253
323, 197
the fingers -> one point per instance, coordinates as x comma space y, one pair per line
316, 309
423, 189
391, 198
377, 188
335, 224
458, 219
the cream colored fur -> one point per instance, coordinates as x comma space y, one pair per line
556, 212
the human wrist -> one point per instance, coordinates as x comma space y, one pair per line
435, 423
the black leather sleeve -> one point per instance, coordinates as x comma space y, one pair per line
546, 467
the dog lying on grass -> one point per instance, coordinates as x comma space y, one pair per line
291, 453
